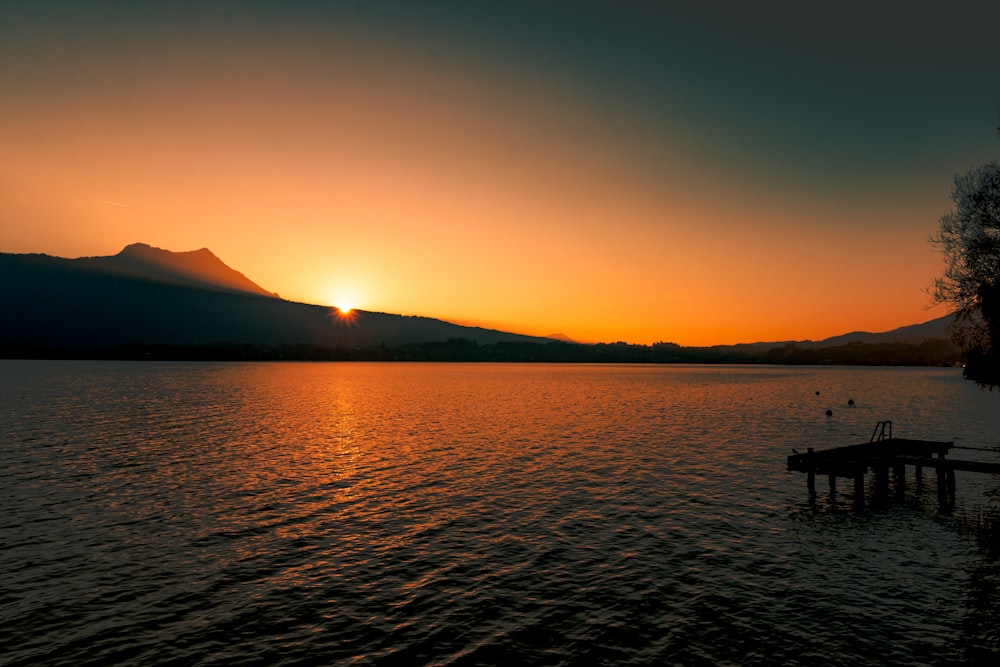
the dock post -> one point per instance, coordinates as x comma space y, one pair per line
811, 475
881, 481
859, 488
951, 484
833, 485
942, 480
899, 472
918, 477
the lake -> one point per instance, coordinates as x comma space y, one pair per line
478, 514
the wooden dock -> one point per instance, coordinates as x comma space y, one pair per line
882, 454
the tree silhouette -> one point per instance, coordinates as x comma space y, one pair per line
969, 240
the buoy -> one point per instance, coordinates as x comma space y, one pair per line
850, 402
817, 392
829, 413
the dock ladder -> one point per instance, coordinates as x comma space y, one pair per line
881, 430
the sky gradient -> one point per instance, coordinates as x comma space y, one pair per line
609, 171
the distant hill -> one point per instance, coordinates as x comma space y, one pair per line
913, 334
149, 296
926, 344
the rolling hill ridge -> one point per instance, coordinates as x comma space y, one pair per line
149, 296
146, 297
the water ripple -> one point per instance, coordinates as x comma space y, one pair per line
394, 514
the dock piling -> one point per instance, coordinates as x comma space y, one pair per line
881, 481
811, 476
942, 480
899, 478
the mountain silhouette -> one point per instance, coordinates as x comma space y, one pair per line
150, 296
196, 268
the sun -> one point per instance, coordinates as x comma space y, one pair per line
344, 315
343, 304
343, 300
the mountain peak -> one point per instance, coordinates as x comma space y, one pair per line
146, 250
201, 268
134, 248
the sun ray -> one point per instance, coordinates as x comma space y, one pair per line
345, 315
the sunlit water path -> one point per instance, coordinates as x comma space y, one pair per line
383, 514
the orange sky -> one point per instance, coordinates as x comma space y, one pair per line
491, 170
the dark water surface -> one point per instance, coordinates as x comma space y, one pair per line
398, 514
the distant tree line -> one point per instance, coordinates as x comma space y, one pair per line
931, 352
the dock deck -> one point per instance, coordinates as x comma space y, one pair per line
881, 455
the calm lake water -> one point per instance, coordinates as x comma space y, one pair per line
453, 514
